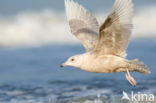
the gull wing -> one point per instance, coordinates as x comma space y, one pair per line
82, 24
114, 33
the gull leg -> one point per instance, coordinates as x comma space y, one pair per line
131, 80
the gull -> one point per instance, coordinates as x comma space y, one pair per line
105, 45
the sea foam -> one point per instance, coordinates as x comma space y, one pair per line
49, 27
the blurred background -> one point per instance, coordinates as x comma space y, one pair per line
35, 39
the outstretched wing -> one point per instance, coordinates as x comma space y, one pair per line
82, 24
115, 33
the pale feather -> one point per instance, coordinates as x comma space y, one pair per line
82, 24
115, 32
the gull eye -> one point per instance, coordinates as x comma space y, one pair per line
72, 59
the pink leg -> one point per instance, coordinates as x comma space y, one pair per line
131, 80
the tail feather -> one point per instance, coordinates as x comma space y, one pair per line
139, 66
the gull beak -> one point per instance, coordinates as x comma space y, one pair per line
62, 65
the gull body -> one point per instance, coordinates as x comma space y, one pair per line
106, 44
98, 63
103, 63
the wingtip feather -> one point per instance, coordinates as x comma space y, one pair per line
76, 11
124, 8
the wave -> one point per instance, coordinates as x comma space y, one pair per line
49, 27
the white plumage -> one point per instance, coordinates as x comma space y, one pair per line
76, 11
105, 45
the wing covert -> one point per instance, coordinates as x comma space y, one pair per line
114, 33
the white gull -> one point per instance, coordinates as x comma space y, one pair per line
105, 45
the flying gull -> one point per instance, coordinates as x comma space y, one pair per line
105, 45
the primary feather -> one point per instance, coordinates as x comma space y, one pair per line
114, 33
82, 24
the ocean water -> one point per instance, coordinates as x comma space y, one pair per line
35, 39
33, 75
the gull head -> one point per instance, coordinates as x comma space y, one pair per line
75, 61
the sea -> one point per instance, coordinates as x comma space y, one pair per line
35, 39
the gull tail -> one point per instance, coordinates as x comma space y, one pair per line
139, 66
